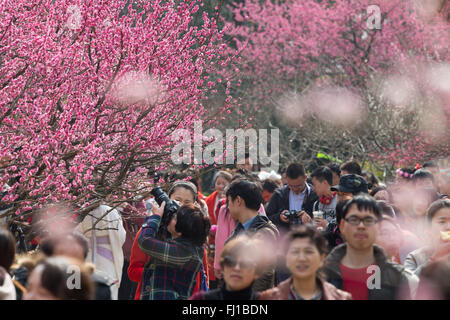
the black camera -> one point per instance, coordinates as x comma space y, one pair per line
293, 217
170, 209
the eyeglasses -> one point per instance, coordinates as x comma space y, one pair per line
232, 262
367, 221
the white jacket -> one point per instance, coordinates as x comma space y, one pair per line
106, 243
7, 289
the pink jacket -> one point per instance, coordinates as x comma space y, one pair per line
225, 226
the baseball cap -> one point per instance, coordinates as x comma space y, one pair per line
351, 183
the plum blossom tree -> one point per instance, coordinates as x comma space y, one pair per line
337, 78
90, 91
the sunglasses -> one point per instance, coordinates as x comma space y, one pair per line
232, 262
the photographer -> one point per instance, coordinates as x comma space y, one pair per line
297, 196
174, 264
291, 205
184, 193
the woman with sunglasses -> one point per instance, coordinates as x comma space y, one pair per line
241, 265
305, 250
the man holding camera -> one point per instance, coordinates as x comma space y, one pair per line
290, 205
295, 198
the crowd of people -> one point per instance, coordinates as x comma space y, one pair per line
336, 233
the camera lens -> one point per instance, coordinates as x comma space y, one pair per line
160, 195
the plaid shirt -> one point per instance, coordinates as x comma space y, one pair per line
173, 265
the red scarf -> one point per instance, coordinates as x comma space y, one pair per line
327, 200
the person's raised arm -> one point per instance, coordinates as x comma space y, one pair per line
170, 253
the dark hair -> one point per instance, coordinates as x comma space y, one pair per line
7, 248
323, 173
248, 191
339, 210
363, 202
55, 276
49, 243
408, 170
48, 246
270, 185
386, 208
352, 167
246, 156
295, 170
174, 176
436, 206
244, 174
371, 179
430, 164
377, 189
306, 231
309, 232
237, 177
422, 174
192, 224
351, 183
195, 180
335, 167
402, 171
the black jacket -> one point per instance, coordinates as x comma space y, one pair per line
280, 202
102, 286
333, 236
261, 228
223, 294
393, 277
